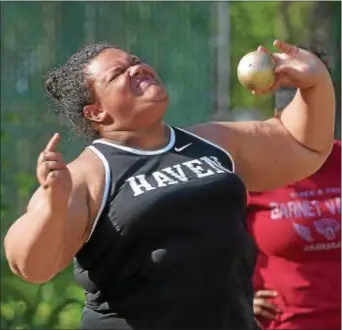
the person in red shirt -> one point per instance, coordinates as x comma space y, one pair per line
297, 230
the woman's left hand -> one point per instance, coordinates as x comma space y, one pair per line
295, 67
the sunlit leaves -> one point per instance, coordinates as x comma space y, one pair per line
54, 305
177, 38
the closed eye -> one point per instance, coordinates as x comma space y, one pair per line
119, 70
115, 73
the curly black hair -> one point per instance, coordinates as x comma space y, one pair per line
284, 95
69, 88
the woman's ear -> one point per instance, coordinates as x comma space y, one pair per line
94, 113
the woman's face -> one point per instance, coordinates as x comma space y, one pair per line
129, 94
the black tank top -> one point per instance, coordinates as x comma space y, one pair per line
169, 249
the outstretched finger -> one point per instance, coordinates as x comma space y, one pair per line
52, 145
266, 293
286, 48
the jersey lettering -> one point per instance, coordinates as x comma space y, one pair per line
334, 205
178, 174
198, 170
304, 208
162, 179
139, 184
202, 167
214, 163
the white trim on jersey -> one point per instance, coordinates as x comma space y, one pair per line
212, 144
105, 190
143, 152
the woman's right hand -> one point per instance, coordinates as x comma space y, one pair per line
53, 174
262, 306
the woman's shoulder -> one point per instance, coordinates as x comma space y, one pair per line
87, 167
86, 160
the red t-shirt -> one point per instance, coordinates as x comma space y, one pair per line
298, 233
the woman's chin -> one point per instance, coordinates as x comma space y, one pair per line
155, 93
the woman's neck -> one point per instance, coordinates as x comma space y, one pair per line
149, 138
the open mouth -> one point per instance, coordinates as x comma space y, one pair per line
145, 80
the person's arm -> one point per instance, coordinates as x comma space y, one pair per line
44, 240
272, 153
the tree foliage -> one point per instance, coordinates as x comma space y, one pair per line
177, 38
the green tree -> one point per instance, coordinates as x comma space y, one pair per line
177, 38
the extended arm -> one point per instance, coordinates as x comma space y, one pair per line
57, 222
272, 153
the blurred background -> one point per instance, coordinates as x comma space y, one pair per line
194, 46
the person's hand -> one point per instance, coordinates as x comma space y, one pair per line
295, 67
262, 306
53, 174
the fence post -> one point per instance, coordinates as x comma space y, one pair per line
222, 45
